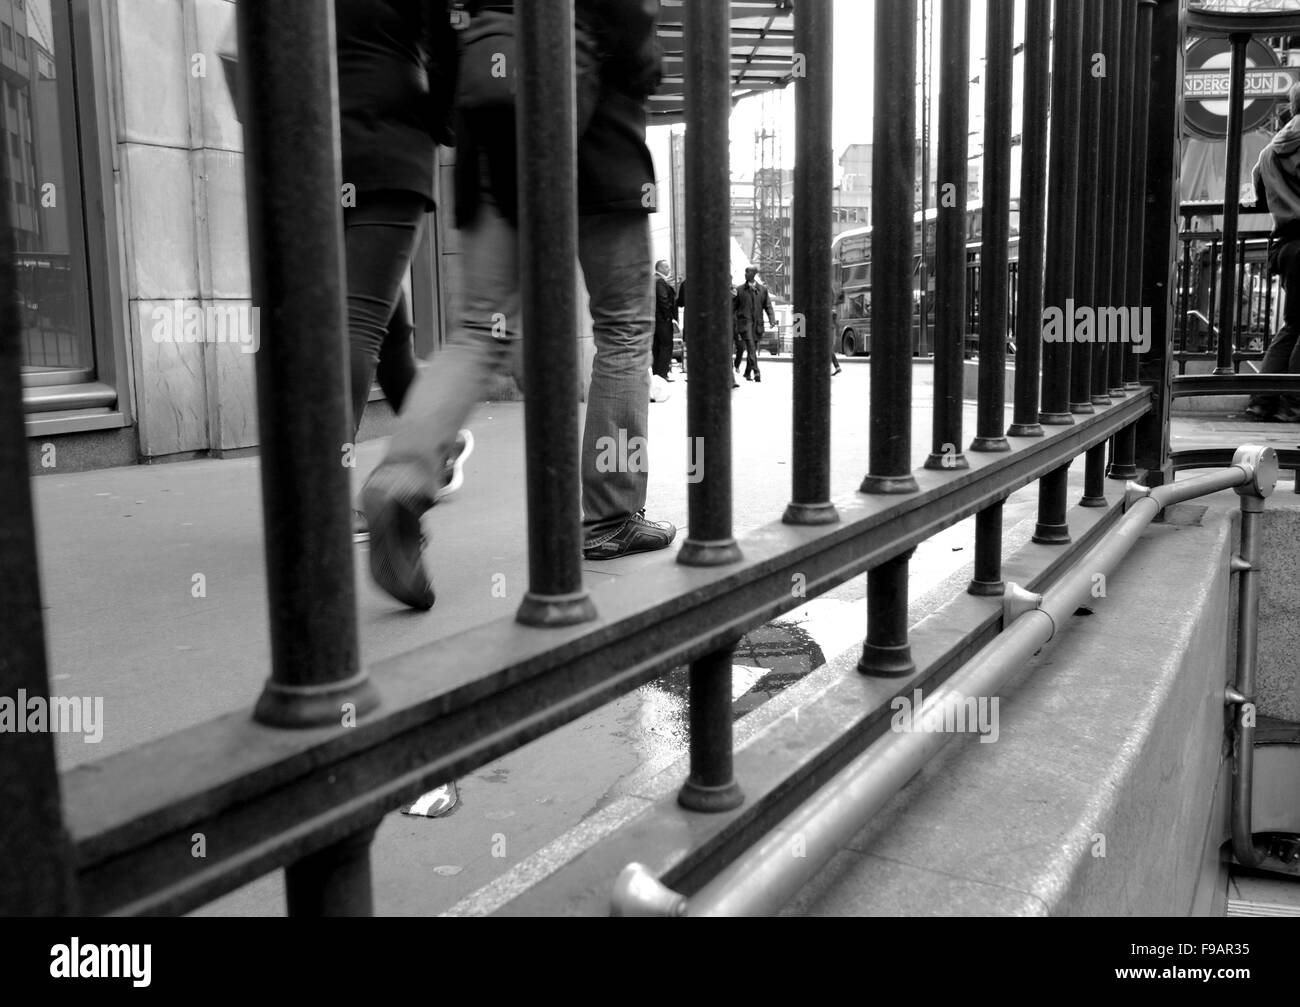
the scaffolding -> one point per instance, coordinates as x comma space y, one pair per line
770, 251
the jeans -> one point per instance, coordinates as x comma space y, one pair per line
380, 235
614, 250
1283, 353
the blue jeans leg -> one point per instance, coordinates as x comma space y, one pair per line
482, 341
614, 249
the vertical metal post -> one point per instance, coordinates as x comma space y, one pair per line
548, 246
893, 174
811, 440
1090, 381
1094, 477
1110, 250
887, 653
710, 541
1155, 191
923, 338
1033, 220
36, 869
334, 881
1262, 463
1063, 175
1127, 275
950, 239
991, 415
991, 421
711, 785
1231, 202
1252, 512
1058, 287
986, 579
893, 178
291, 164
1126, 62
1085, 249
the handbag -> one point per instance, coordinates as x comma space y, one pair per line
486, 66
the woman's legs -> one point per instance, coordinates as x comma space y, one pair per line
396, 370
380, 235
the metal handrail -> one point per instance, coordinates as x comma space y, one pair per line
764, 878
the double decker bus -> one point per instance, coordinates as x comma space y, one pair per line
851, 281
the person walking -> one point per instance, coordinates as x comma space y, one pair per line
1277, 191
835, 361
665, 315
750, 303
614, 171
681, 303
396, 74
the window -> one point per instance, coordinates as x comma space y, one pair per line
22, 47
57, 340
8, 36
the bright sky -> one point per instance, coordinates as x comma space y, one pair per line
853, 36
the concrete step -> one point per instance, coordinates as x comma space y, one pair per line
1252, 895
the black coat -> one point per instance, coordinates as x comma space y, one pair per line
749, 305
615, 171
665, 307
397, 72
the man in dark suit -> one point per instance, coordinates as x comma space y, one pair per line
665, 315
749, 305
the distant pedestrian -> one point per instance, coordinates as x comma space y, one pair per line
614, 172
681, 303
750, 303
665, 315
1277, 191
835, 337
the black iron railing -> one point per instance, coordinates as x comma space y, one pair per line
1257, 313
290, 787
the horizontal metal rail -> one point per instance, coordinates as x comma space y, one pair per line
763, 879
1204, 22
1237, 356
1213, 458
1209, 208
1185, 385
456, 704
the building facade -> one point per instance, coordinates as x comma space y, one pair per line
123, 169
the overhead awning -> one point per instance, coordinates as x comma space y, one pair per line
762, 53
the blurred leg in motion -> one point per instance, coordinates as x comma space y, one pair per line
380, 235
479, 344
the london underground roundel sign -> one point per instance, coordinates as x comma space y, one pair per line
1207, 63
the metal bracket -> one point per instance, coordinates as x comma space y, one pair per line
1239, 565
1231, 697
1260, 463
1016, 601
1133, 492
637, 892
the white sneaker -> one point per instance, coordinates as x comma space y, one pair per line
455, 465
